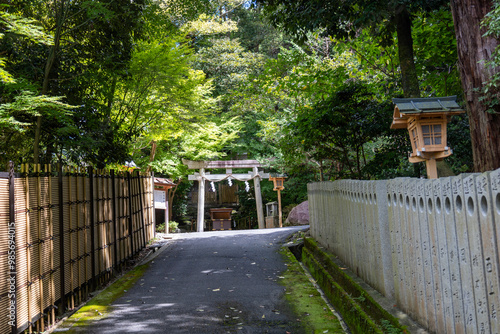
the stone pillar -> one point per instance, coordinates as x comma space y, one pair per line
385, 237
258, 198
201, 200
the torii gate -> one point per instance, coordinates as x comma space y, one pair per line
201, 176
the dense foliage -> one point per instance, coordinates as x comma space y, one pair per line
305, 91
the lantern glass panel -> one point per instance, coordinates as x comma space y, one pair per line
431, 133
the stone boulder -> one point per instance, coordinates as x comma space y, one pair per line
299, 215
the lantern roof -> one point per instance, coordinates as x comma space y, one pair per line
429, 104
159, 181
409, 107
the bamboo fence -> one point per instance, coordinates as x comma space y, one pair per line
63, 233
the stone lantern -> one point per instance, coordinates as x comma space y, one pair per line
426, 120
278, 186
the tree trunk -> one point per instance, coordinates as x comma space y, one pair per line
59, 12
171, 195
152, 154
409, 76
474, 50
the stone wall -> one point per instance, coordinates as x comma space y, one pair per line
429, 244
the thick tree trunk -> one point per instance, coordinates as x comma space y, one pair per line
409, 76
473, 51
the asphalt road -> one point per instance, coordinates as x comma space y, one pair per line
211, 282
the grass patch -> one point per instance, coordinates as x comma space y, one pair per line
305, 300
98, 307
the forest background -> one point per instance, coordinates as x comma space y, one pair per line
102, 83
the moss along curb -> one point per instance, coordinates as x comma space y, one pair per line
359, 310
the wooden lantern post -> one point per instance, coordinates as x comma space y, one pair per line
426, 120
278, 186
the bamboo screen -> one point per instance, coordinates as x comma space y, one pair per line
73, 229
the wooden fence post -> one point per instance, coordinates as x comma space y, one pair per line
113, 217
71, 241
52, 314
62, 307
12, 261
38, 170
130, 225
143, 223
92, 227
28, 247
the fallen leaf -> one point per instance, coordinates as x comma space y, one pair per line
216, 290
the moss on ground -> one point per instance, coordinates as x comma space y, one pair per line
305, 300
98, 307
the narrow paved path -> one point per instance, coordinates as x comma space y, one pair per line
211, 282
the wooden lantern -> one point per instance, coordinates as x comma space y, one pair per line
426, 120
278, 186
278, 182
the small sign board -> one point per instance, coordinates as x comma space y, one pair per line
160, 199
